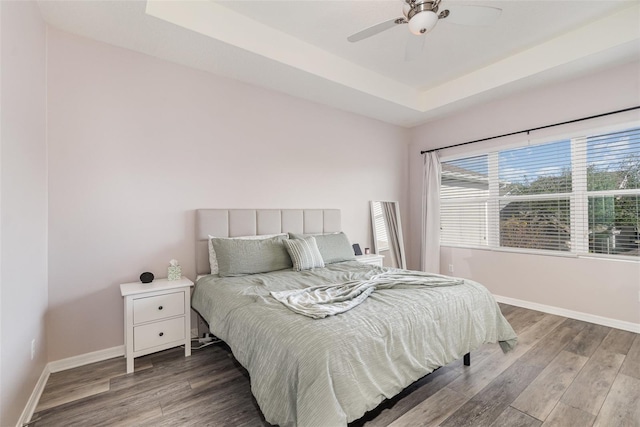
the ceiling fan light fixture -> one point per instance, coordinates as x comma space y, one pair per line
423, 22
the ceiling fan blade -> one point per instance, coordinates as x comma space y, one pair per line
413, 48
375, 29
472, 15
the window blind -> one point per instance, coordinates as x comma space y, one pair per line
464, 206
579, 195
613, 192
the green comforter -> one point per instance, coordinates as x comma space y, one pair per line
328, 372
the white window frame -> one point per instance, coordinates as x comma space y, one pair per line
579, 199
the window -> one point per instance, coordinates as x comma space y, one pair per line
534, 203
465, 187
580, 195
613, 192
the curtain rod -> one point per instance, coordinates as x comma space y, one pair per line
532, 129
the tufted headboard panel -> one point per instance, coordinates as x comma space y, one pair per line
251, 222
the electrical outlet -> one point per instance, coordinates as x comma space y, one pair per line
33, 348
450, 268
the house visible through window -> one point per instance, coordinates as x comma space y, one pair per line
580, 195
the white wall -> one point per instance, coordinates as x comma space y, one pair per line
23, 202
136, 144
598, 287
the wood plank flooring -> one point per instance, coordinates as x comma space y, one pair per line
563, 372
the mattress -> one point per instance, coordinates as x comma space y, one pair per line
330, 371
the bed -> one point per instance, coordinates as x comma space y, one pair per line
330, 371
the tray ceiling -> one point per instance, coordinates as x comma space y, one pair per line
300, 47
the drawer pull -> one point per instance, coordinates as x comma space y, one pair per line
161, 334
160, 308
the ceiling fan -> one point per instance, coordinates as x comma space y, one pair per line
422, 17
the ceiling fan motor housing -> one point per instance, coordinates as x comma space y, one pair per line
422, 16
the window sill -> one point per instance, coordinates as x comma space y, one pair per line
619, 258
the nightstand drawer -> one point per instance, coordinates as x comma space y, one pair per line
158, 333
372, 259
158, 307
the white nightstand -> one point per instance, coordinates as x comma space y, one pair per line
157, 316
370, 259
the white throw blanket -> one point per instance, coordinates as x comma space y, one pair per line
328, 300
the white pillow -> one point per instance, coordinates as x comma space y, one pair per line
213, 260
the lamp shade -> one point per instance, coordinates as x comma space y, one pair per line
423, 22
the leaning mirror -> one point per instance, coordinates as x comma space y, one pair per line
387, 233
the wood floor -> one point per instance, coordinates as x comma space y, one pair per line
563, 372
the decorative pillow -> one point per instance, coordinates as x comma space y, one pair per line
237, 257
304, 253
213, 261
334, 247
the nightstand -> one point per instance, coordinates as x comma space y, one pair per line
370, 259
157, 316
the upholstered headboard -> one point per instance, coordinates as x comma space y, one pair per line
252, 222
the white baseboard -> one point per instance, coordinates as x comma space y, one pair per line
32, 403
61, 365
586, 317
85, 359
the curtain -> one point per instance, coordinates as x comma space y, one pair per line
430, 248
393, 232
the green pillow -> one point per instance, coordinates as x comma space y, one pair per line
334, 247
237, 257
304, 253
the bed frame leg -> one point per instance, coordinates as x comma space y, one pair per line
467, 359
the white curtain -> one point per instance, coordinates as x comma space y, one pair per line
430, 249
